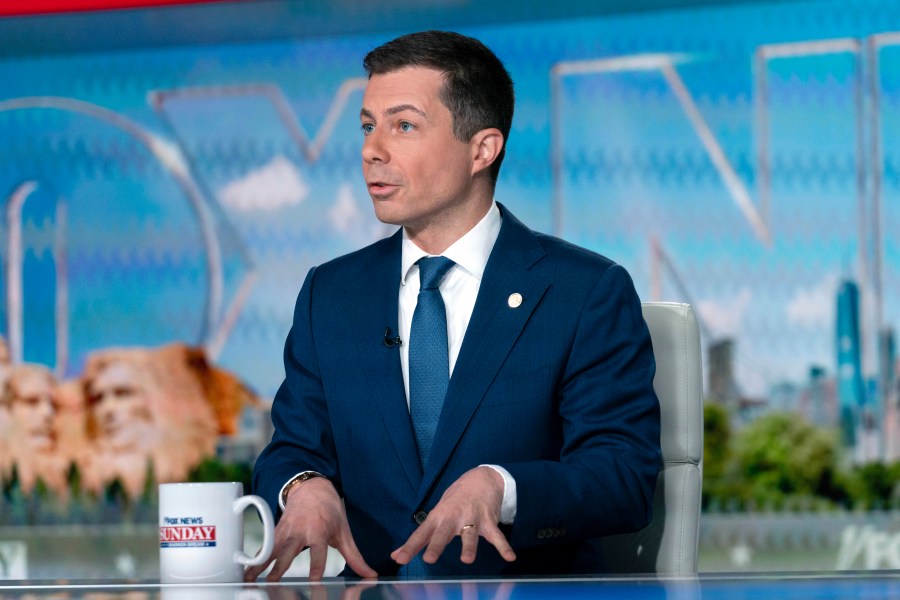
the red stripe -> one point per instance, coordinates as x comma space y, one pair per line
34, 7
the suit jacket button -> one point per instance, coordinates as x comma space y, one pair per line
420, 517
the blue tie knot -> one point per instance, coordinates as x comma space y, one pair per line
432, 270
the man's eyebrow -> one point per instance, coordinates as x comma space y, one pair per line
394, 110
402, 107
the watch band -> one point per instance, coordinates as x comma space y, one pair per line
297, 480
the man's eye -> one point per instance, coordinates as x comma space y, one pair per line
406, 126
368, 128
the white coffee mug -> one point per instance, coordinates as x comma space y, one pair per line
201, 532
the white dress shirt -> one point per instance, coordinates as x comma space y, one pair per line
459, 289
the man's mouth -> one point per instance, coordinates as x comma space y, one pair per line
381, 187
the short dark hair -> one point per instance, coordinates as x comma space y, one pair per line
478, 89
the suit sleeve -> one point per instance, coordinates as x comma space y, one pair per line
302, 438
604, 480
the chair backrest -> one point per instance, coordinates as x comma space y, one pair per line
669, 543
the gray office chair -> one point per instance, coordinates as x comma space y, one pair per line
669, 543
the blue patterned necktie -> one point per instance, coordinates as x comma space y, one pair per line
429, 370
429, 363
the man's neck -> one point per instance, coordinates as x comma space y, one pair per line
439, 235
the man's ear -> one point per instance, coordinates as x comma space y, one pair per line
486, 147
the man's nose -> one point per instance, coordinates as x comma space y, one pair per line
374, 149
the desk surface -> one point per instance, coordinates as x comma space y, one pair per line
870, 585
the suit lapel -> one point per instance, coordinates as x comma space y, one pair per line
380, 365
493, 330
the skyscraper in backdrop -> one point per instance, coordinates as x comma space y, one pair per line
855, 419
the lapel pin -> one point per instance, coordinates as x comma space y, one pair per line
514, 300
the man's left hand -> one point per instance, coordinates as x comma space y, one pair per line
470, 508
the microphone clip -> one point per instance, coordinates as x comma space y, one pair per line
389, 340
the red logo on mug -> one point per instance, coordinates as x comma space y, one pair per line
190, 536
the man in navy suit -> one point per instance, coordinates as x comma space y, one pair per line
545, 435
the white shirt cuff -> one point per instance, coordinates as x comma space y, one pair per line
510, 499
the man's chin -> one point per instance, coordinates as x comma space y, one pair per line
387, 216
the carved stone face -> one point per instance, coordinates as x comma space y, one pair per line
118, 401
32, 407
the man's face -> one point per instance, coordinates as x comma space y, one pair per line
119, 407
32, 408
418, 174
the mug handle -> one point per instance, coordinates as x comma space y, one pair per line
265, 512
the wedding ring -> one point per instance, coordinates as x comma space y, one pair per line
463, 530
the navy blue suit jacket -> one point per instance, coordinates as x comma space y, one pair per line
558, 391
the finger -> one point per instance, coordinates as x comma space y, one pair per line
402, 555
495, 537
469, 537
251, 573
318, 556
413, 545
439, 540
282, 563
278, 569
354, 557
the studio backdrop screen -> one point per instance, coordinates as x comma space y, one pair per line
163, 202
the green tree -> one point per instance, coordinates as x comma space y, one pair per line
781, 455
873, 485
212, 469
717, 453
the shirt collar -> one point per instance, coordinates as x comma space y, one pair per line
470, 252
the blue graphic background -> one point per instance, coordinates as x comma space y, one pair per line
607, 157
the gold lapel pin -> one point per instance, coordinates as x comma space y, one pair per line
514, 300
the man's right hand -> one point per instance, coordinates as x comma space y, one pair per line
314, 518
